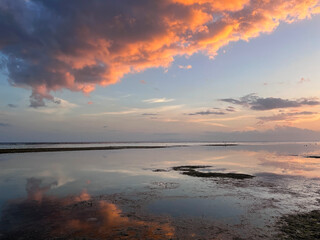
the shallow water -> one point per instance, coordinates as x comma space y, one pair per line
88, 189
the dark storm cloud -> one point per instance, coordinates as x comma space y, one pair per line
50, 45
254, 102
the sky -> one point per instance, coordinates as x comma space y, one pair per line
159, 70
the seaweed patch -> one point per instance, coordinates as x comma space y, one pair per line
300, 226
191, 171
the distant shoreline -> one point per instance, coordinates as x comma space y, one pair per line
69, 149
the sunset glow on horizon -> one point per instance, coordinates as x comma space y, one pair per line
159, 70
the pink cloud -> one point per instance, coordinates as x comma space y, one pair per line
54, 45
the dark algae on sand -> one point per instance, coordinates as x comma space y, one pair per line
300, 226
191, 171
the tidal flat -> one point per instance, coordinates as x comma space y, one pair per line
203, 191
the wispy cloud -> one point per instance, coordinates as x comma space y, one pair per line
140, 111
304, 80
149, 114
254, 102
115, 39
12, 105
116, 113
4, 124
290, 116
158, 100
207, 122
185, 67
278, 133
208, 112
214, 111
63, 107
230, 109
220, 119
126, 96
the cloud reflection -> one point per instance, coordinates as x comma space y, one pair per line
292, 165
46, 217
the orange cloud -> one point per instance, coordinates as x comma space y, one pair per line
218, 5
98, 43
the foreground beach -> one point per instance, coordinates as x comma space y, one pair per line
245, 191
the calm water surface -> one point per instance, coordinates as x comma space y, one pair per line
118, 194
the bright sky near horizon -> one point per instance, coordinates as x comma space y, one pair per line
150, 70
